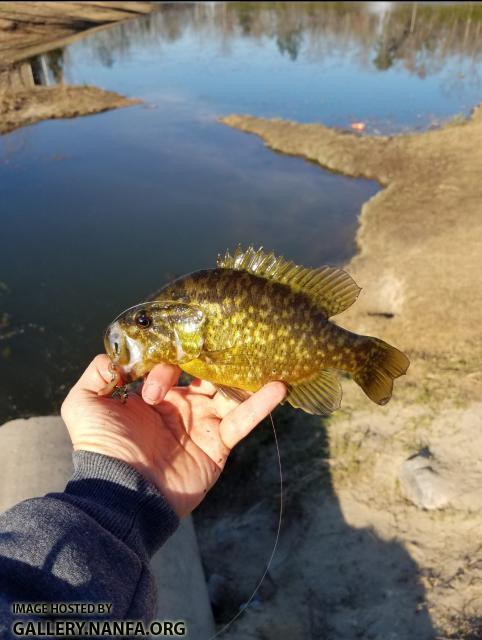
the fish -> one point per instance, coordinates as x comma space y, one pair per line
255, 318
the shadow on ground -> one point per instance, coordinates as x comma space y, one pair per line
328, 580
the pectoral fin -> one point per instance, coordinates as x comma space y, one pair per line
231, 355
321, 395
239, 395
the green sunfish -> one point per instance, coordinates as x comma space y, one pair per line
253, 319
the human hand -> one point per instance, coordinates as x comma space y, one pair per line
179, 442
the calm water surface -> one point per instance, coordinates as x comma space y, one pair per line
99, 211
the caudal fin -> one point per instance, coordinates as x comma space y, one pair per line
384, 363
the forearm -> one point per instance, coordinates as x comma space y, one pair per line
90, 543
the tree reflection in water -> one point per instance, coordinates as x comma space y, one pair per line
378, 34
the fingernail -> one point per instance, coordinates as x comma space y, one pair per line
153, 392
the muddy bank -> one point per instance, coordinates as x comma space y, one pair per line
27, 107
420, 240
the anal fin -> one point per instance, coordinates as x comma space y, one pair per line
320, 395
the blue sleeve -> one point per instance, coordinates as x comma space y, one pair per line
91, 543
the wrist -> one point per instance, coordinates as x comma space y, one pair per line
128, 456
121, 499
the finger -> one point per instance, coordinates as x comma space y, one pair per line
97, 375
242, 420
223, 405
158, 382
203, 387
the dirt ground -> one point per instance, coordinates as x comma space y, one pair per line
356, 558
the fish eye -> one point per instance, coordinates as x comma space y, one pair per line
143, 320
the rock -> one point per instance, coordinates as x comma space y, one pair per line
421, 482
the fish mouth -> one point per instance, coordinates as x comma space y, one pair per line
124, 352
115, 344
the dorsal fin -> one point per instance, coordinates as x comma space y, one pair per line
333, 289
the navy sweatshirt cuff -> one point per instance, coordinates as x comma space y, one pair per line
121, 500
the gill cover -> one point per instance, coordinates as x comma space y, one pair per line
186, 322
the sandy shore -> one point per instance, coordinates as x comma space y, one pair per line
420, 240
362, 560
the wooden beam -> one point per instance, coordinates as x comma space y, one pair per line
31, 28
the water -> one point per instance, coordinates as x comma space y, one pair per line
97, 212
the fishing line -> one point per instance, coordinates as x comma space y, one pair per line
275, 546
134, 306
